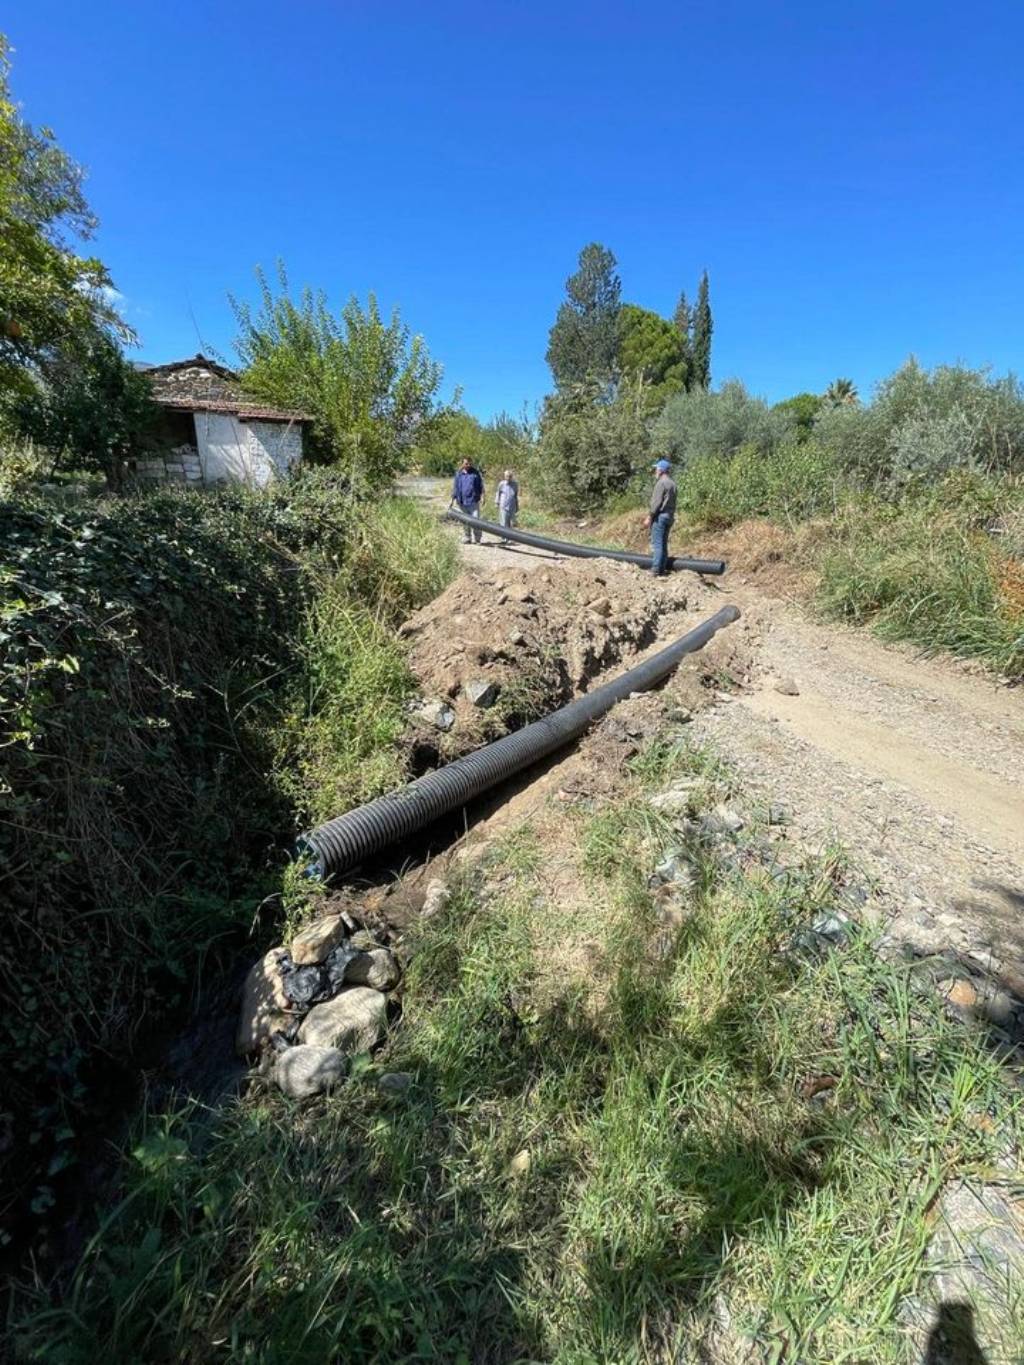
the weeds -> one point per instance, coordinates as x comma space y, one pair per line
678, 1156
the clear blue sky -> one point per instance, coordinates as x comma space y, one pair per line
851, 175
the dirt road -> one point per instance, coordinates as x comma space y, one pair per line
915, 765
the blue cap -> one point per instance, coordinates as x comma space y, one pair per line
663, 466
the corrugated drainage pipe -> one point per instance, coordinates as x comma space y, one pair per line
344, 843
565, 547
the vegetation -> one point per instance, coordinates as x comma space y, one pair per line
652, 351
584, 341
700, 342
456, 434
590, 446
700, 423
738, 1139
163, 668
369, 385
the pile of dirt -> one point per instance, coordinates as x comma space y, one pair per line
497, 650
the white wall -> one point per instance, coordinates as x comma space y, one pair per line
245, 452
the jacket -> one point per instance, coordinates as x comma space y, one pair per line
468, 488
663, 499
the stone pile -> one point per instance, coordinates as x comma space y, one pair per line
310, 1006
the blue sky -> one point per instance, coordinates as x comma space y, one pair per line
850, 175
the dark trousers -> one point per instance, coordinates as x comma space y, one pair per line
660, 527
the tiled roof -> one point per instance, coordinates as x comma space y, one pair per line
246, 409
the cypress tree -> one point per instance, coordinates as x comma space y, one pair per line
702, 329
683, 323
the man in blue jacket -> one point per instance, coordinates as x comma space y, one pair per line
467, 494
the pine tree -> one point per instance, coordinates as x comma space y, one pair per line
684, 326
583, 343
702, 329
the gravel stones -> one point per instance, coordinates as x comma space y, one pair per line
438, 714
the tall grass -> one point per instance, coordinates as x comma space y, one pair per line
926, 572
636, 1174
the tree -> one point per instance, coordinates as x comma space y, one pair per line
702, 329
51, 299
369, 385
94, 405
703, 423
841, 393
683, 323
583, 343
650, 349
803, 408
590, 448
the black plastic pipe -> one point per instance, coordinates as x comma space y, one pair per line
344, 843
565, 547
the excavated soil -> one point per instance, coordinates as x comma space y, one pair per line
538, 637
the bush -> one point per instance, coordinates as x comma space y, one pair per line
789, 484
923, 424
701, 423
590, 448
153, 651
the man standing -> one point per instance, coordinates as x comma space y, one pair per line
661, 517
507, 500
467, 494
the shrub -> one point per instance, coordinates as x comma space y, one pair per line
922, 424
590, 447
153, 649
702, 423
788, 484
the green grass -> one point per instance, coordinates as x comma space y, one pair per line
925, 573
674, 1162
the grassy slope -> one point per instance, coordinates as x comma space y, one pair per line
679, 1182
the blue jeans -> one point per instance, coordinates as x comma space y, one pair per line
660, 527
471, 509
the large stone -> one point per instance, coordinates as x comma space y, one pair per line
264, 1002
377, 968
318, 939
306, 1069
480, 692
722, 820
787, 687
438, 714
353, 1021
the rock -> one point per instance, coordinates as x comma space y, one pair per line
520, 1164
600, 606
722, 820
377, 968
264, 1002
317, 940
832, 926
363, 941
306, 1069
394, 1082
353, 1021
675, 801
786, 686
480, 692
1000, 1008
517, 638
674, 869
438, 714
436, 899
962, 994
778, 815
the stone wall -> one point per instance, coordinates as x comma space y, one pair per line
180, 465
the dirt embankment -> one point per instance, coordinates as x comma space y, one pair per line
503, 646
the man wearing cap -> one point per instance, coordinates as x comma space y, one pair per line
662, 515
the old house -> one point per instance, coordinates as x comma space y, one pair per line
210, 431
